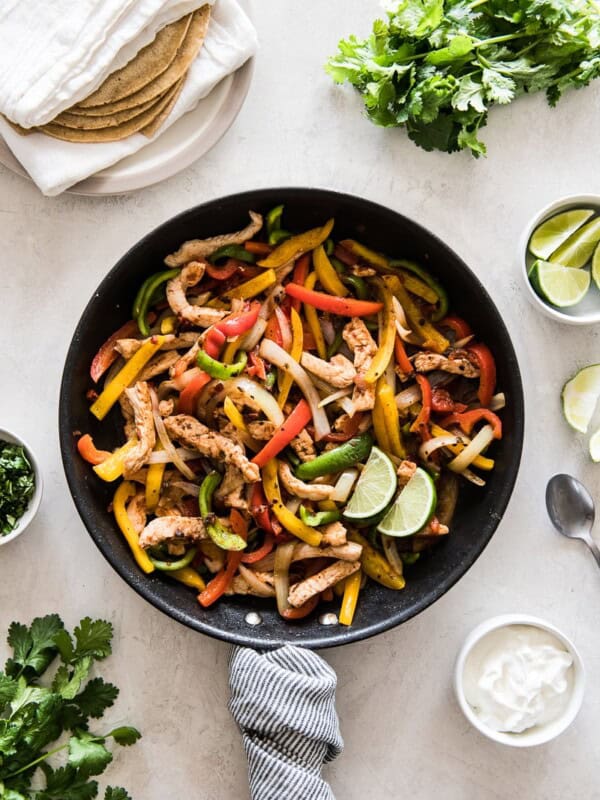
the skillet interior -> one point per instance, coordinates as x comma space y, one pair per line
479, 511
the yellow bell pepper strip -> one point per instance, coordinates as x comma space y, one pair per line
379, 426
295, 353
441, 299
327, 275
327, 505
365, 253
482, 462
313, 320
351, 590
246, 291
432, 338
234, 416
420, 288
112, 468
124, 493
387, 338
125, 377
290, 521
389, 409
375, 565
154, 480
189, 577
230, 351
297, 246
167, 325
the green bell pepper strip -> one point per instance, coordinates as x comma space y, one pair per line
319, 517
338, 266
273, 219
426, 277
145, 297
278, 236
358, 286
220, 535
329, 246
336, 344
216, 369
346, 455
292, 457
232, 251
270, 380
171, 566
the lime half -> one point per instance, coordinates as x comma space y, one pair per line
560, 286
580, 396
596, 266
413, 507
374, 489
578, 248
549, 236
595, 446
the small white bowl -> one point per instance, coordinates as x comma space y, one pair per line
540, 734
588, 311
35, 501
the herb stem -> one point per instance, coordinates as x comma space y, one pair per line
477, 3
507, 37
37, 761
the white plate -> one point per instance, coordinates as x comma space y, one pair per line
183, 143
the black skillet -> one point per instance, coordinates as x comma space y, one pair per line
479, 510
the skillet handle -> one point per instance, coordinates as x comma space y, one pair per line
284, 704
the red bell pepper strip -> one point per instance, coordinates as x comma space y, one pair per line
273, 331
189, 395
283, 435
257, 368
220, 583
258, 248
401, 358
259, 508
442, 402
238, 523
425, 413
487, 369
238, 323
261, 552
107, 354
88, 451
461, 328
224, 272
468, 419
308, 339
299, 276
345, 306
303, 611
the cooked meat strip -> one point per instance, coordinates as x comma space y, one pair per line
232, 489
306, 491
166, 407
128, 347
426, 362
334, 534
433, 528
361, 343
240, 585
361, 271
303, 446
139, 397
304, 590
202, 316
347, 552
162, 362
163, 530
202, 248
136, 511
261, 430
195, 435
338, 371
127, 412
405, 471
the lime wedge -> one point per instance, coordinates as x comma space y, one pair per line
596, 266
595, 446
549, 236
413, 507
578, 248
558, 285
580, 396
374, 489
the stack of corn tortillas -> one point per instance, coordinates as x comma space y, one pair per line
139, 97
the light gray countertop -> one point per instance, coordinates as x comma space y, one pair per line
404, 734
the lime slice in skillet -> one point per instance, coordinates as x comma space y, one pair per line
595, 446
560, 286
413, 507
556, 230
578, 248
596, 266
374, 489
580, 396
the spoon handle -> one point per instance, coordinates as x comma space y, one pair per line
593, 547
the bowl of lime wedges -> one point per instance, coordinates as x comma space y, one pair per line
559, 255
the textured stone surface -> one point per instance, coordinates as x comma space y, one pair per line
404, 734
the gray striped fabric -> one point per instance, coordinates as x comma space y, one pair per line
284, 703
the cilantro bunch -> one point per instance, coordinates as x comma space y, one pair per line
436, 66
17, 485
34, 712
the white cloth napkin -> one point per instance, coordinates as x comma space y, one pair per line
55, 165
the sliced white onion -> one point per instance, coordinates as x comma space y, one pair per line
335, 396
284, 328
167, 444
162, 457
472, 450
427, 448
189, 488
255, 583
391, 553
345, 403
471, 476
293, 504
344, 485
253, 337
328, 330
277, 356
408, 397
263, 399
182, 380
402, 327
199, 300
464, 341
281, 574
498, 401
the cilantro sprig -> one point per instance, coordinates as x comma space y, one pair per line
17, 485
36, 711
436, 67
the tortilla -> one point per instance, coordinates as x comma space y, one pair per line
116, 132
70, 120
144, 67
157, 122
177, 69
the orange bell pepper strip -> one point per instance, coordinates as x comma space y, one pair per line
220, 583
107, 354
283, 435
302, 611
487, 372
344, 306
402, 359
425, 413
89, 452
258, 248
467, 420
261, 552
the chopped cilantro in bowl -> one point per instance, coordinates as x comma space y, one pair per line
17, 485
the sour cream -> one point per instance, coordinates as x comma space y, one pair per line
517, 677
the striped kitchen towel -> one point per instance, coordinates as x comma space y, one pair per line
284, 703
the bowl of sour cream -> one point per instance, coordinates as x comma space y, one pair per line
519, 680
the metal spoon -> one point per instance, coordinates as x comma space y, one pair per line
571, 510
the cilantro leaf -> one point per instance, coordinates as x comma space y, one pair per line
93, 638
33, 648
499, 88
68, 682
469, 93
8, 689
88, 754
116, 793
96, 697
125, 735
67, 783
64, 644
416, 17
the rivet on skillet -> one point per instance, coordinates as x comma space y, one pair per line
328, 619
252, 618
